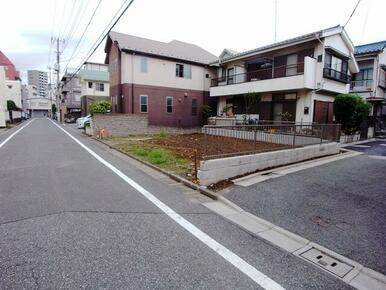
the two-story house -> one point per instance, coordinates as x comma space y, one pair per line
94, 82
69, 95
169, 82
295, 79
370, 81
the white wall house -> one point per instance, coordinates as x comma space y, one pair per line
370, 81
3, 101
95, 84
13, 93
295, 79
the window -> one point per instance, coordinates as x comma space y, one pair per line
194, 107
183, 71
144, 64
223, 73
364, 77
291, 68
179, 70
231, 72
90, 85
169, 104
143, 103
336, 68
100, 87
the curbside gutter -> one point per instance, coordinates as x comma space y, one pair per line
172, 175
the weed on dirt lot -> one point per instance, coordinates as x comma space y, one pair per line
178, 152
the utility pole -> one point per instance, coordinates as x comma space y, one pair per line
57, 70
275, 21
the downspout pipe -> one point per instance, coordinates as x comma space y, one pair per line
132, 83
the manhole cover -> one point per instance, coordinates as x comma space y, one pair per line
327, 262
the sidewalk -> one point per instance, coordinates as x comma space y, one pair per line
339, 205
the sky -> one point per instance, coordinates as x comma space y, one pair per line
28, 26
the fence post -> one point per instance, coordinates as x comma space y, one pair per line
255, 137
294, 138
321, 134
205, 140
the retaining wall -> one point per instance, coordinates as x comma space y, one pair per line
212, 171
131, 124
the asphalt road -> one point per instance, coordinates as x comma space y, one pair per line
340, 205
68, 221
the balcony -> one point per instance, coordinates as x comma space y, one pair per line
361, 85
336, 75
280, 78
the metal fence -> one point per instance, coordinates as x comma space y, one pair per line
294, 135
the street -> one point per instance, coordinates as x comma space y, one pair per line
69, 219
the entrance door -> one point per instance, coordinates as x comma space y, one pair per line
277, 111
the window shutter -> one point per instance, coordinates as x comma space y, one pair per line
187, 71
279, 65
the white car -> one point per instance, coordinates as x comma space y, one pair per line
80, 121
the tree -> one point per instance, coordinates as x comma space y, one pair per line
53, 109
350, 111
206, 113
11, 106
250, 99
100, 107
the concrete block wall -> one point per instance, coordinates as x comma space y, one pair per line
131, 124
212, 171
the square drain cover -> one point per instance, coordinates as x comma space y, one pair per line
327, 262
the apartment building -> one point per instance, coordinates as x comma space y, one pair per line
169, 82
370, 81
296, 79
69, 99
40, 80
94, 82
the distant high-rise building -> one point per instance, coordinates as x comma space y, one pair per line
40, 80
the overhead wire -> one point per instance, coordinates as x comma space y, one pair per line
102, 36
84, 31
355, 8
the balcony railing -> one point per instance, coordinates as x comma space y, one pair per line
261, 74
336, 75
361, 85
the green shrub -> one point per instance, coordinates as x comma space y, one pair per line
350, 111
100, 107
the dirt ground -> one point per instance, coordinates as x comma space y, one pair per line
185, 145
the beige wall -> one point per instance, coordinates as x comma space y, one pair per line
2, 97
86, 91
162, 73
13, 92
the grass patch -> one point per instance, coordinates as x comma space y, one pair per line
160, 157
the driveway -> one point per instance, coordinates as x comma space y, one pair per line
340, 205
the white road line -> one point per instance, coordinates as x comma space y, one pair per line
14, 133
377, 157
382, 144
360, 146
257, 276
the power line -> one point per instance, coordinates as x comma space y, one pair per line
98, 42
84, 31
356, 6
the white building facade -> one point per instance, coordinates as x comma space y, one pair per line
295, 80
40, 80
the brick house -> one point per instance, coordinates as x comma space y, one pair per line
168, 82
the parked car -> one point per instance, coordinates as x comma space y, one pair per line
81, 121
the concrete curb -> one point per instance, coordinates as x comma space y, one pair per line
357, 142
172, 175
359, 277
